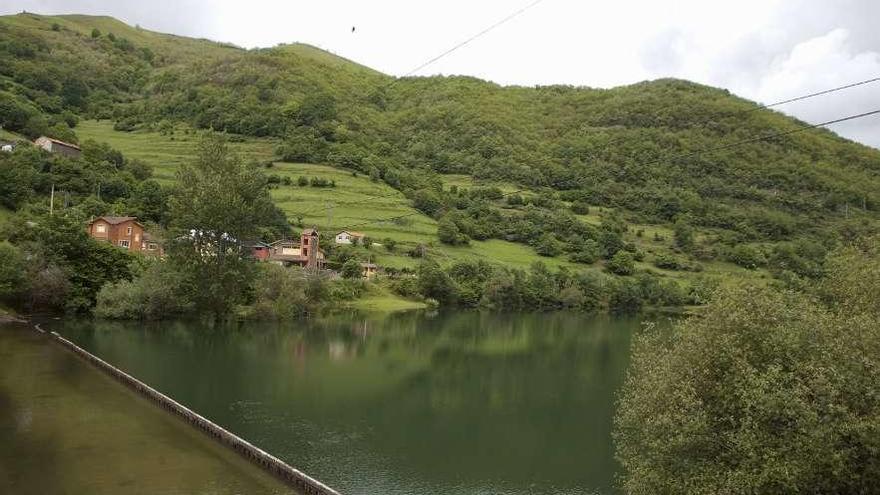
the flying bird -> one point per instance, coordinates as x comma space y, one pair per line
352, 29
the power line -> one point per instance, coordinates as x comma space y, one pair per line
594, 153
819, 93
474, 37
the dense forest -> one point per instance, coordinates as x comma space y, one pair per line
662, 152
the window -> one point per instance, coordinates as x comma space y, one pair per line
305, 251
128, 231
151, 246
124, 244
305, 241
100, 228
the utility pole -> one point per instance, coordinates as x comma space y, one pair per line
52, 201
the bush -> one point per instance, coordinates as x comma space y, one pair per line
547, 245
746, 256
156, 294
351, 269
589, 252
13, 278
766, 392
580, 208
667, 262
622, 263
449, 233
625, 297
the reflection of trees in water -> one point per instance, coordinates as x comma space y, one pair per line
453, 397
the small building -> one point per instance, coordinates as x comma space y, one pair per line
306, 253
126, 233
53, 145
369, 270
347, 237
7, 146
257, 250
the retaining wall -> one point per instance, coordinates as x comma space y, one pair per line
270, 463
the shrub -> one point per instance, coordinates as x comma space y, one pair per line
622, 263
547, 245
746, 256
351, 269
580, 208
156, 294
449, 233
766, 392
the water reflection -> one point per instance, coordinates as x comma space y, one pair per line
412, 403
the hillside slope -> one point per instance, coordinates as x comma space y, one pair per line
636, 151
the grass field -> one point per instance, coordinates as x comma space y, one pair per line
379, 211
166, 153
356, 203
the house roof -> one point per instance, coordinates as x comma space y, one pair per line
58, 141
114, 220
351, 233
253, 244
311, 231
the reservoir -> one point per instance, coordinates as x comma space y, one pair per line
68, 428
408, 403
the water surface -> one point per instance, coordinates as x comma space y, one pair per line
67, 428
464, 403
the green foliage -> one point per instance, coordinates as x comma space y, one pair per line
155, 294
449, 233
626, 297
622, 263
746, 256
13, 277
547, 245
351, 269
580, 208
684, 235
68, 260
217, 202
766, 392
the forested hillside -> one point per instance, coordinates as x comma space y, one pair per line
636, 152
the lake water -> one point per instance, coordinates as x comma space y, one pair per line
67, 428
412, 403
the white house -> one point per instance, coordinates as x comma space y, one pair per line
346, 236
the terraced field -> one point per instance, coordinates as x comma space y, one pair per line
355, 203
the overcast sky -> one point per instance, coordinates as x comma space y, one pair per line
765, 50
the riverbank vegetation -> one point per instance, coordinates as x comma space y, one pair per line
767, 391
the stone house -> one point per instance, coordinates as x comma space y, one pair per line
56, 146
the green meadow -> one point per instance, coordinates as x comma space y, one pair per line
355, 203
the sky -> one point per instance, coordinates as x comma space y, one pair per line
764, 50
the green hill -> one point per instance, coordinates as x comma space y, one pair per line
600, 170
